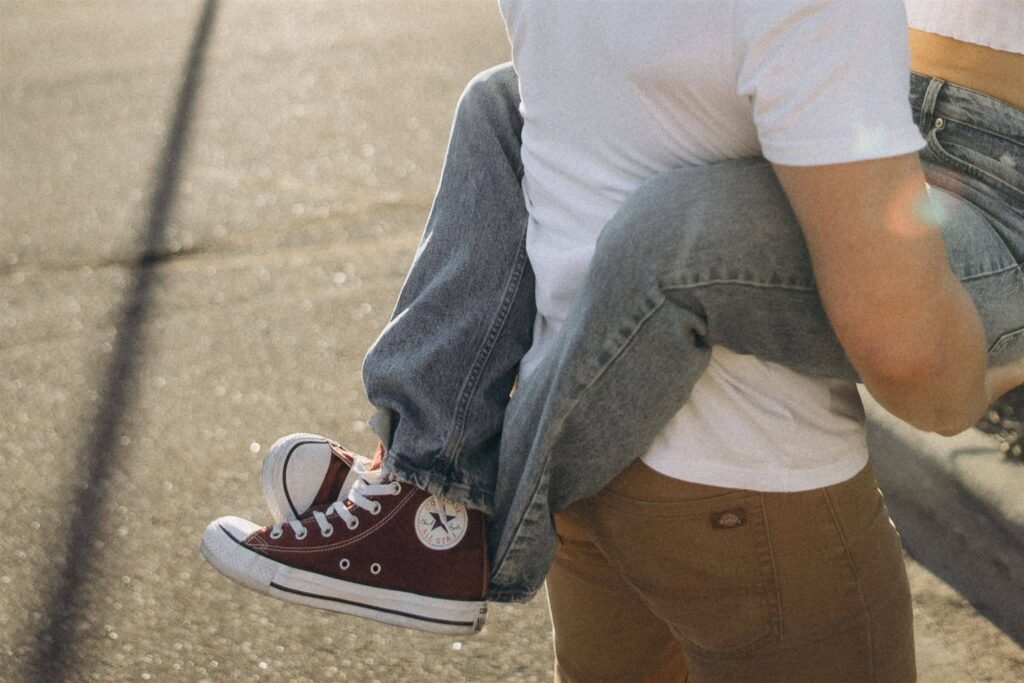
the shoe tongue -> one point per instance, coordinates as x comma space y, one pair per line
347, 457
334, 481
378, 457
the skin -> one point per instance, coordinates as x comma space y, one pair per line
1003, 378
882, 272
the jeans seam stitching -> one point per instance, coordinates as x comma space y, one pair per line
741, 283
455, 440
950, 168
410, 472
939, 149
746, 283
975, 127
499, 562
1000, 271
1004, 339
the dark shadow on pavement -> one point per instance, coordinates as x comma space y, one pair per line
55, 642
956, 534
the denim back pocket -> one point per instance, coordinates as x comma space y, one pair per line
1007, 347
990, 158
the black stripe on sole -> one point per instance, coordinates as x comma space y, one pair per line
292, 565
471, 624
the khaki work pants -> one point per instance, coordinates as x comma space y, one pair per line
657, 579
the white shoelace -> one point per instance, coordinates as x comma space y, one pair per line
370, 483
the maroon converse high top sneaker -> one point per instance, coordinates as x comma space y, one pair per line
387, 551
303, 471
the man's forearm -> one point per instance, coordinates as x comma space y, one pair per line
950, 392
903, 318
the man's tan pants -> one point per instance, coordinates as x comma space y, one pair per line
658, 580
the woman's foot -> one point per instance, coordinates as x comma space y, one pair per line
382, 549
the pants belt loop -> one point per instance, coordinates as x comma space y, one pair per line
931, 96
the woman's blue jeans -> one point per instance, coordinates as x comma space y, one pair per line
694, 258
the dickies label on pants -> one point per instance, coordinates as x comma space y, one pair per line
728, 519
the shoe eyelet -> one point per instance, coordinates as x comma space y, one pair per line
352, 524
276, 533
396, 487
375, 569
328, 532
344, 564
299, 535
375, 510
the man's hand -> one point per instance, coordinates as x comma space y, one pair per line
903, 318
1002, 378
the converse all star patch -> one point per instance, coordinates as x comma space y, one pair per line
440, 523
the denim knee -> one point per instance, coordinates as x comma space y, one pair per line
489, 93
660, 226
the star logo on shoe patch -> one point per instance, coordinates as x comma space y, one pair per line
441, 523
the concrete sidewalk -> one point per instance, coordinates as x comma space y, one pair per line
208, 208
958, 505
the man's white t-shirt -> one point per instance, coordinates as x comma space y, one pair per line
615, 92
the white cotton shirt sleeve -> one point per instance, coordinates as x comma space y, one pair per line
827, 82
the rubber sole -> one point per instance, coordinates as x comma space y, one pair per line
226, 553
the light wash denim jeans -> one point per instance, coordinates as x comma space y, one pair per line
695, 257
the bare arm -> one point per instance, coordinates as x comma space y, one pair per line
902, 317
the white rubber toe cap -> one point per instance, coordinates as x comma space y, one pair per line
222, 546
239, 529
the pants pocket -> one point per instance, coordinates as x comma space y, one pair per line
1009, 345
991, 158
703, 567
